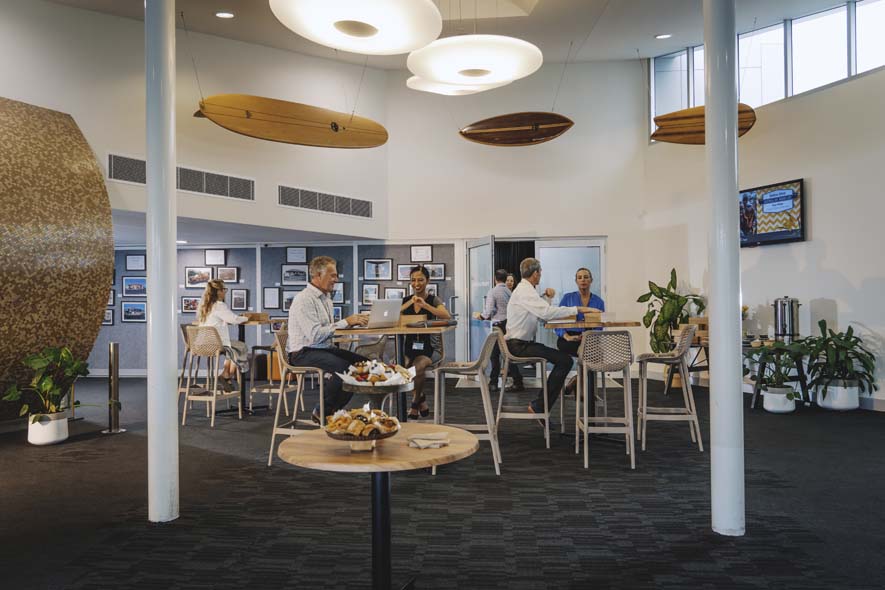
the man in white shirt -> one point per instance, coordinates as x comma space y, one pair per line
524, 310
311, 328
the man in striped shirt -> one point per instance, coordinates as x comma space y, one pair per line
495, 309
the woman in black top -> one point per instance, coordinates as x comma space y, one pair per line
418, 350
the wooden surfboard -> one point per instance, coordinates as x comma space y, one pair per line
517, 129
687, 126
291, 122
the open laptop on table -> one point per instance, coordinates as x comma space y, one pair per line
385, 314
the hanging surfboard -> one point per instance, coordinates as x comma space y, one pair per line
687, 126
517, 129
291, 122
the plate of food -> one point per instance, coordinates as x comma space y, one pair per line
361, 427
374, 373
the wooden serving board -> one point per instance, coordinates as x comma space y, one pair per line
687, 126
517, 129
291, 122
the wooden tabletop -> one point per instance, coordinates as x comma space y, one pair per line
393, 331
315, 450
578, 325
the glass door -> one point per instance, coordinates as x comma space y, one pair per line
480, 273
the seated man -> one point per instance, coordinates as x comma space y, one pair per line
495, 309
310, 334
569, 340
526, 307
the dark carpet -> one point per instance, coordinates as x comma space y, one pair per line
74, 515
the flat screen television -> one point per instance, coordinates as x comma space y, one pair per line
772, 214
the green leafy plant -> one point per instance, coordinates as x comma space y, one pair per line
840, 356
779, 359
55, 370
666, 310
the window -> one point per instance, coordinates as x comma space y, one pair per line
820, 54
671, 83
698, 76
761, 63
870, 34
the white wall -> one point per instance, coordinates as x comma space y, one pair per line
91, 65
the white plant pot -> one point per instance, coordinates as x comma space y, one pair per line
775, 400
841, 395
47, 429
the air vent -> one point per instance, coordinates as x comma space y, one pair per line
314, 201
187, 179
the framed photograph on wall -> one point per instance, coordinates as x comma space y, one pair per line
278, 324
338, 293
337, 314
134, 286
370, 293
228, 274
134, 311
239, 299
196, 277
214, 257
135, 262
288, 296
437, 271
112, 297
378, 269
421, 253
296, 254
271, 298
394, 292
403, 271
294, 274
190, 304
108, 319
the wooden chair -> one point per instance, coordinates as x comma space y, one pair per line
487, 431
523, 415
290, 428
602, 352
689, 412
205, 342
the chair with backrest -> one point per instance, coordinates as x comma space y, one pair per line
290, 428
487, 431
205, 342
505, 413
604, 352
676, 358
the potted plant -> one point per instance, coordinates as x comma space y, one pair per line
55, 370
779, 359
840, 367
666, 310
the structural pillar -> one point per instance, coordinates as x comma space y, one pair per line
162, 333
726, 397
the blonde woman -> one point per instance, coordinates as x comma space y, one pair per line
215, 312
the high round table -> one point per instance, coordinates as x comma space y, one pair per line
315, 450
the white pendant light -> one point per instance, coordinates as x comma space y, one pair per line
372, 27
475, 59
416, 83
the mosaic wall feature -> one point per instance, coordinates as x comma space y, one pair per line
57, 254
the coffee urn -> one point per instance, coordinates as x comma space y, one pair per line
786, 318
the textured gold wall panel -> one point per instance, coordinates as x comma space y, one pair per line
57, 248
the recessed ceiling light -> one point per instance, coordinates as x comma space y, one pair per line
663, 36
224, 14
181, 241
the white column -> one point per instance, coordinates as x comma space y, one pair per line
162, 331
726, 398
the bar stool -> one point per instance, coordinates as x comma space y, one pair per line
289, 428
524, 415
205, 342
688, 413
603, 352
487, 431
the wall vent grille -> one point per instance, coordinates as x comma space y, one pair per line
314, 201
187, 179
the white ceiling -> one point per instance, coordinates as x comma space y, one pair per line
129, 230
623, 28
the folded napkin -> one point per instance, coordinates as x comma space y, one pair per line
429, 440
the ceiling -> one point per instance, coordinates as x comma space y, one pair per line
129, 230
622, 27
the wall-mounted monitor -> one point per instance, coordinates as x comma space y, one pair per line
772, 214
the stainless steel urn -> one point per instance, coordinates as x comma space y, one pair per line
786, 318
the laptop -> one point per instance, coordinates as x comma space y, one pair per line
385, 314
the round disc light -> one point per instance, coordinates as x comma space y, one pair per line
371, 27
475, 59
416, 83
